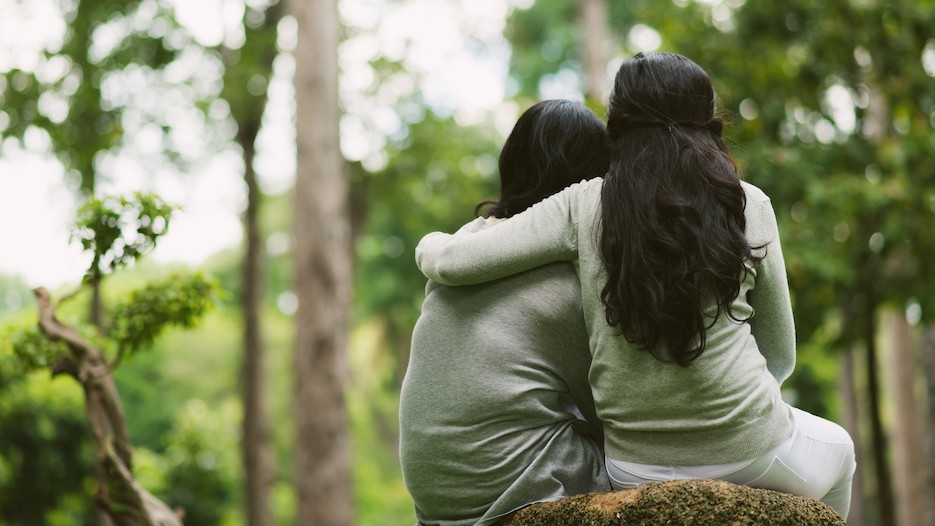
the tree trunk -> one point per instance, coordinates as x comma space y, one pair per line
593, 27
910, 462
120, 498
97, 308
876, 125
257, 455
881, 468
848, 393
322, 275
254, 59
96, 316
928, 364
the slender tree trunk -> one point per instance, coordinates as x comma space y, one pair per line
593, 27
848, 392
97, 308
96, 316
120, 499
876, 131
257, 455
322, 275
928, 364
909, 459
254, 59
881, 468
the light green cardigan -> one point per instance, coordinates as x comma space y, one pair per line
725, 407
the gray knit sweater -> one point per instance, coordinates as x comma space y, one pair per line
725, 407
492, 403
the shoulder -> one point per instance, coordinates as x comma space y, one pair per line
587, 186
759, 208
761, 218
583, 198
754, 194
583, 189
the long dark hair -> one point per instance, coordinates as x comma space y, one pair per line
672, 226
554, 144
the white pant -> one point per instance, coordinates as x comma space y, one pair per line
817, 461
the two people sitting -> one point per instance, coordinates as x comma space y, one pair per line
621, 315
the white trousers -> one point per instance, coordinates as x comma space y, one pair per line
817, 461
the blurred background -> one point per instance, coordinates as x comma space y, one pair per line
831, 110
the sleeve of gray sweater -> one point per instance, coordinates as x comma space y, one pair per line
545, 233
772, 324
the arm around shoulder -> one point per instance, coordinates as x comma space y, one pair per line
545, 233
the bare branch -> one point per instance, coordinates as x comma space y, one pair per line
57, 331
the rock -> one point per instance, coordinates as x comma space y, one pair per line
679, 502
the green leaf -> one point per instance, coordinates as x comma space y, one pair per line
120, 230
178, 300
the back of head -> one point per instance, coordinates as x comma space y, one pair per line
672, 233
554, 144
659, 90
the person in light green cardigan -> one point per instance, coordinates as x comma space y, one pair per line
684, 293
496, 410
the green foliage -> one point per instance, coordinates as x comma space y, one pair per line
45, 453
182, 365
23, 350
373, 405
176, 300
544, 42
120, 230
146, 40
202, 464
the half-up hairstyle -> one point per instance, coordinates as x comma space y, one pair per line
555, 143
672, 226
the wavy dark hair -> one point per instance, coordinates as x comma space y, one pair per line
672, 226
554, 144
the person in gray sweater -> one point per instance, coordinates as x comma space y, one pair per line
496, 410
684, 292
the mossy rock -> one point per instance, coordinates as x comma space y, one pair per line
680, 502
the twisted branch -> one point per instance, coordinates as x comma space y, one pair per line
87, 365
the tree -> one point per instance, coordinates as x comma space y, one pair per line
247, 73
909, 473
117, 232
593, 27
928, 365
62, 97
322, 274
